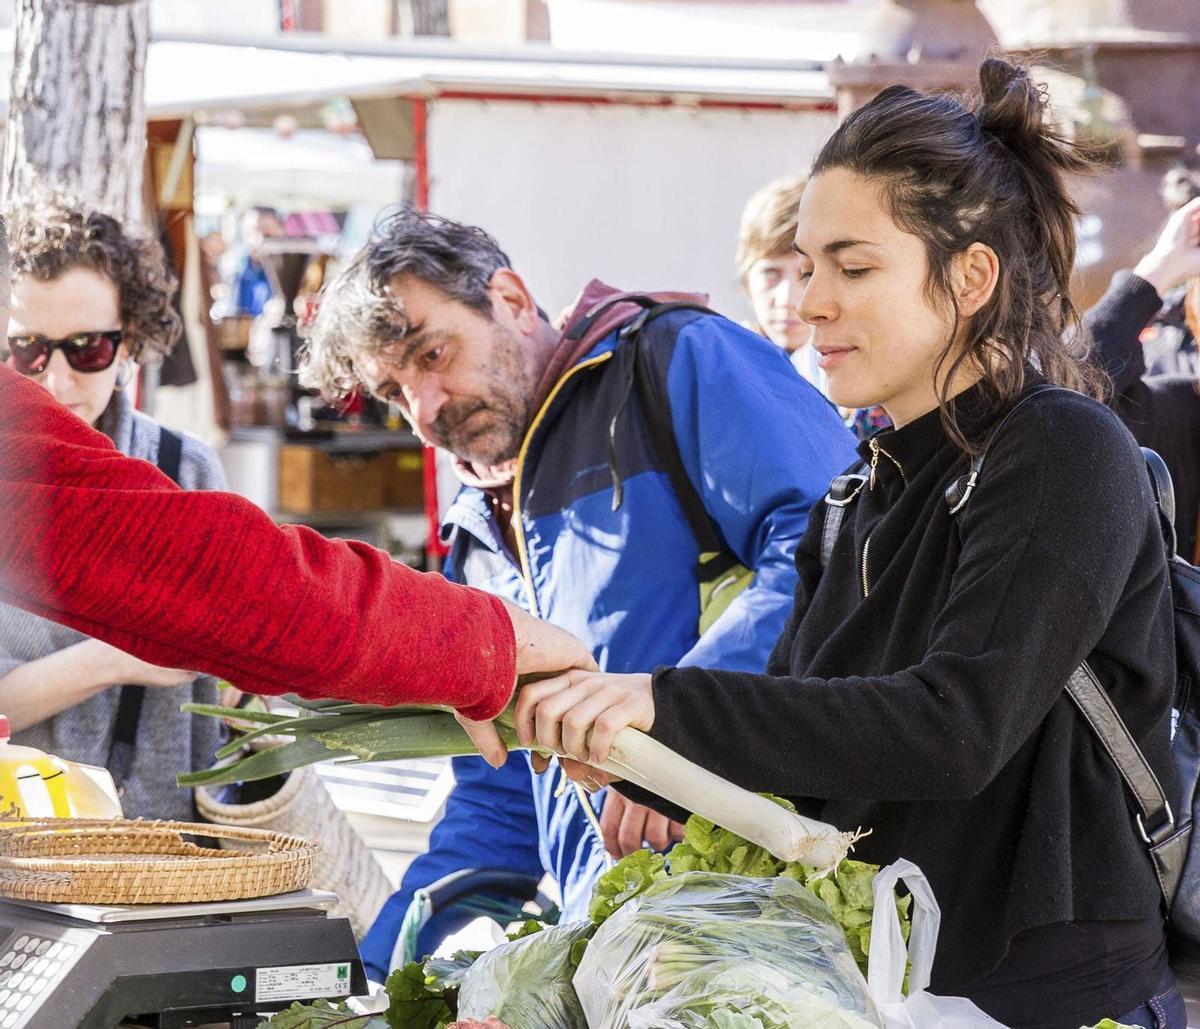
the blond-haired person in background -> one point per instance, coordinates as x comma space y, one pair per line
769, 270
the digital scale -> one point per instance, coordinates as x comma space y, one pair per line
166, 966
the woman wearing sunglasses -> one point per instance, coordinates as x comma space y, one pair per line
89, 300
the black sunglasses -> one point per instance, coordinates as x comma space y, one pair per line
84, 351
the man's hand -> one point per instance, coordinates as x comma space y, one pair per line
627, 826
541, 648
1175, 257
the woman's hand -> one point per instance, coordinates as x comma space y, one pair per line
46, 686
119, 667
579, 713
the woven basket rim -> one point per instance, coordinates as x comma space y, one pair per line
130, 876
98, 828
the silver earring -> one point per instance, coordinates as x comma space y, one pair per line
124, 374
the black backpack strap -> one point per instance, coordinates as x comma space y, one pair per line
716, 557
123, 748
170, 454
843, 491
1164, 496
580, 329
959, 492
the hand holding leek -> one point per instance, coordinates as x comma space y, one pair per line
579, 713
327, 730
601, 719
540, 647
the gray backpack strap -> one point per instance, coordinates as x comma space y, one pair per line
1166, 843
842, 493
1155, 819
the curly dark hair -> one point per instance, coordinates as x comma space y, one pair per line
52, 233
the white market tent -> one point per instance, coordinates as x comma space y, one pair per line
628, 167
529, 141
187, 74
309, 169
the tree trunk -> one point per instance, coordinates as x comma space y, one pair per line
77, 114
428, 17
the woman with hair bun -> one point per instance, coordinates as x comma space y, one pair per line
918, 689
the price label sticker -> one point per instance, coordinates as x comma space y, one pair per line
301, 982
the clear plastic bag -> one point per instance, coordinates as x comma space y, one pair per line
527, 982
709, 951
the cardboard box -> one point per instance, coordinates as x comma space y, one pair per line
312, 480
405, 479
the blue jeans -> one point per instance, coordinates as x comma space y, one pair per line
1165, 1010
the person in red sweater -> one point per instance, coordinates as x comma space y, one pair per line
110, 546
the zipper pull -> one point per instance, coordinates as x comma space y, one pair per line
874, 445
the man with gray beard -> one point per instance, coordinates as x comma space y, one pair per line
641, 484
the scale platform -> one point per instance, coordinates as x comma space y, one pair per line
167, 966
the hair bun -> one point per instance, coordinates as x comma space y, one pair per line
1012, 104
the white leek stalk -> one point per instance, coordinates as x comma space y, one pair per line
367, 733
789, 836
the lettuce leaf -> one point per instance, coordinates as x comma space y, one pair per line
630, 876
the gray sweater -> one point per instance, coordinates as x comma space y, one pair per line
168, 741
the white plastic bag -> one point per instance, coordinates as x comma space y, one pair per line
889, 957
527, 982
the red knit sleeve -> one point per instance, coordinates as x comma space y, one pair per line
206, 581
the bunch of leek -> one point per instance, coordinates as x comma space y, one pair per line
326, 730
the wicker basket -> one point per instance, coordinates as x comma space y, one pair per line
95, 861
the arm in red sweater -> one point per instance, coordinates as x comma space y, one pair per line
206, 581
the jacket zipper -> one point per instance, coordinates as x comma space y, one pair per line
876, 450
518, 520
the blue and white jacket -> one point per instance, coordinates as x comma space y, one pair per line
759, 444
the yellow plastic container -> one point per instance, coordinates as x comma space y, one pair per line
34, 784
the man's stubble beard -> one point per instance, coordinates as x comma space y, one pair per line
510, 385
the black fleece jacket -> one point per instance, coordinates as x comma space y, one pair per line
1162, 411
929, 706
